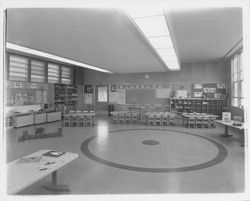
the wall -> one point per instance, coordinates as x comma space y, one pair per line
216, 72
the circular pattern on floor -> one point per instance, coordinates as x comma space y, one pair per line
150, 142
177, 151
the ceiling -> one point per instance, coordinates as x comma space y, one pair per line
108, 39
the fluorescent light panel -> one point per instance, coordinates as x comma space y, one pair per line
53, 57
152, 24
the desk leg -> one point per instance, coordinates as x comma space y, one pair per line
226, 134
54, 186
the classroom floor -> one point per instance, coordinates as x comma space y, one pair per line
139, 159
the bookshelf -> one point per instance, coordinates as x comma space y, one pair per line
209, 106
65, 94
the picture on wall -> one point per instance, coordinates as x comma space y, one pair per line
197, 94
212, 90
198, 86
88, 89
221, 86
113, 88
205, 90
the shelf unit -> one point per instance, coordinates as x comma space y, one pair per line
210, 106
65, 94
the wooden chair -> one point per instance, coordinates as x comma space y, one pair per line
171, 120
134, 118
81, 121
127, 118
151, 119
121, 118
164, 119
88, 120
66, 120
212, 122
191, 122
158, 120
205, 122
114, 118
198, 122
73, 120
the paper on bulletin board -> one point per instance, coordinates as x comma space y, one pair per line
41, 96
88, 98
121, 96
112, 97
163, 93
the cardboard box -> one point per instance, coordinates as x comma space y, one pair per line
226, 116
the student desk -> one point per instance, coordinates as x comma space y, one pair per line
21, 174
229, 124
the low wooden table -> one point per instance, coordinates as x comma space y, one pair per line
227, 125
23, 172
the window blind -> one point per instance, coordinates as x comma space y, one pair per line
66, 76
53, 73
37, 71
18, 68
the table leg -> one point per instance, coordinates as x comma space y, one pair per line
226, 134
54, 186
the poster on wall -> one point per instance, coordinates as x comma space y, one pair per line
88, 98
181, 93
112, 97
41, 96
206, 90
212, 90
88, 89
121, 96
197, 94
17, 84
221, 86
198, 86
113, 88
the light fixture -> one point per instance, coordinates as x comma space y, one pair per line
23, 49
152, 24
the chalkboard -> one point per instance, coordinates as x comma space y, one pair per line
143, 96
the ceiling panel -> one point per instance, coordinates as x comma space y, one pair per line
108, 39
206, 34
103, 38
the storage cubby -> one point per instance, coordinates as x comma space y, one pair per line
210, 106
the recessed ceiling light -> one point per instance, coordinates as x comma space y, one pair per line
152, 24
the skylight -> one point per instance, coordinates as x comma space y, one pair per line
53, 57
153, 25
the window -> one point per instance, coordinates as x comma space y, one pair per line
37, 71
53, 73
237, 79
18, 68
102, 94
66, 75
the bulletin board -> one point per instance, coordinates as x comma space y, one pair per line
210, 90
25, 93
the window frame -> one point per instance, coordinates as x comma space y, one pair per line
237, 79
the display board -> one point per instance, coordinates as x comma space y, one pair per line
209, 90
25, 93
